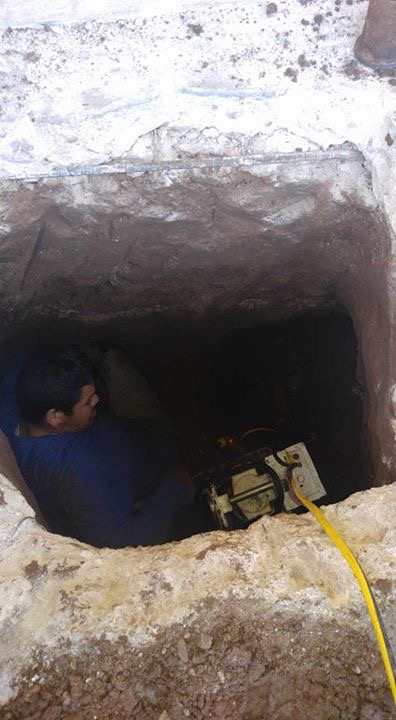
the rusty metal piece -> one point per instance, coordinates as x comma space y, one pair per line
376, 46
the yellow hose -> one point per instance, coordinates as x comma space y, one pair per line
386, 652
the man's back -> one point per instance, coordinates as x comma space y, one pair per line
87, 483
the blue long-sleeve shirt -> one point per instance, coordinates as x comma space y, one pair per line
87, 483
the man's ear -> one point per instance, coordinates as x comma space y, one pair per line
54, 418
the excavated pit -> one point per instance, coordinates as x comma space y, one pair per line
211, 187
252, 293
172, 265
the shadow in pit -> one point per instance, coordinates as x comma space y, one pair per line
299, 378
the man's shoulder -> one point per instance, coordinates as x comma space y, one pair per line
89, 457
99, 435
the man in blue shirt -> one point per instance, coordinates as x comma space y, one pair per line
107, 481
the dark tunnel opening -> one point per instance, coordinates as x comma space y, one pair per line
273, 385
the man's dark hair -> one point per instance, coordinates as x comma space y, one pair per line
52, 378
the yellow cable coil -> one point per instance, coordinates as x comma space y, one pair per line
360, 576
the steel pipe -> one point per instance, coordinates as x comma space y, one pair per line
376, 46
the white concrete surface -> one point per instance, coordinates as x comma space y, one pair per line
81, 88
